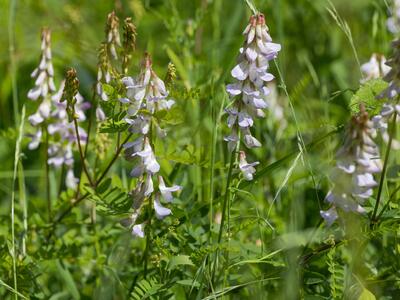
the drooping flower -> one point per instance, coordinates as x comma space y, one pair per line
375, 68
356, 163
246, 168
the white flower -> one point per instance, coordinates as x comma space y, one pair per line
161, 211
138, 230
247, 169
329, 215
148, 158
70, 180
35, 141
375, 68
166, 192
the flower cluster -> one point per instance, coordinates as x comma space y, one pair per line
146, 95
250, 90
393, 23
375, 68
391, 106
44, 86
52, 116
357, 160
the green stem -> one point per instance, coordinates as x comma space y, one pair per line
81, 154
13, 64
225, 204
385, 165
47, 172
16, 160
388, 202
251, 5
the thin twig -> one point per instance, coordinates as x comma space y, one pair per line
81, 153
226, 198
385, 165
47, 171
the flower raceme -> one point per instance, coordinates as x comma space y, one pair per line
356, 163
251, 74
52, 115
391, 94
44, 84
145, 95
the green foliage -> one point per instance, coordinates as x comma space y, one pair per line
367, 95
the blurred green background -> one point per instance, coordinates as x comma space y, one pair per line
319, 68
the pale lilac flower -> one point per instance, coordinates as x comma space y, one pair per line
35, 139
246, 168
138, 230
148, 158
375, 68
166, 192
161, 211
356, 163
71, 181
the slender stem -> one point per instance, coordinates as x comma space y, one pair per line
388, 202
13, 63
226, 198
61, 183
16, 160
81, 154
89, 128
251, 5
150, 209
148, 239
385, 165
47, 171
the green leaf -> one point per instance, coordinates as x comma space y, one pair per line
111, 126
68, 281
367, 95
366, 295
108, 89
179, 260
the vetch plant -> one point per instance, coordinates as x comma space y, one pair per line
250, 91
356, 163
145, 96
